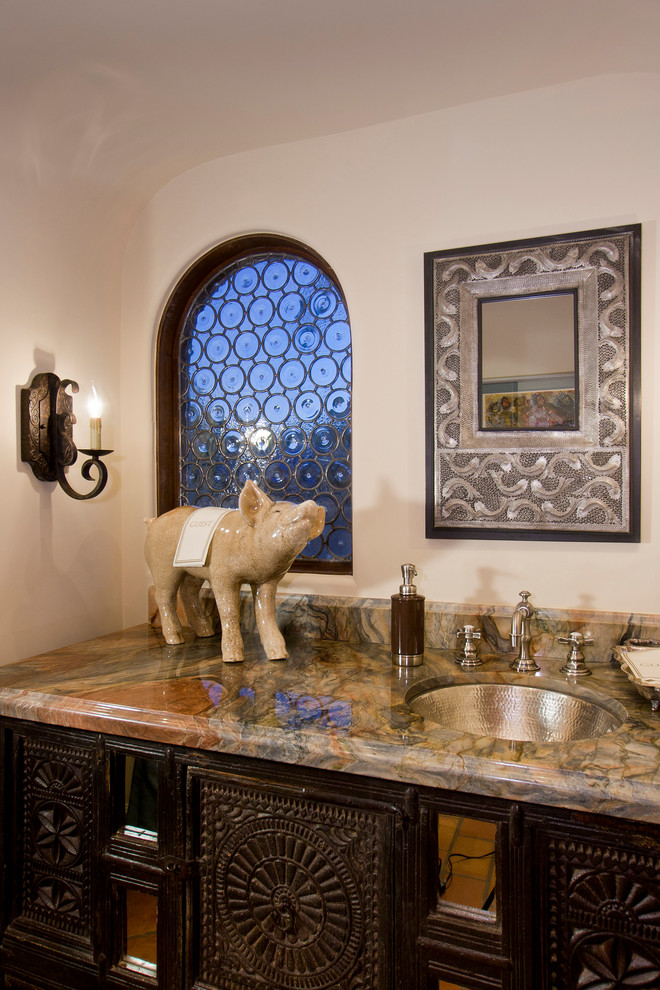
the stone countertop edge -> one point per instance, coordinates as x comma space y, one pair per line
96, 687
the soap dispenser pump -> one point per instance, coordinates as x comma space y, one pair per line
407, 642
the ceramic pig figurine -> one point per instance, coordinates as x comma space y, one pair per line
254, 544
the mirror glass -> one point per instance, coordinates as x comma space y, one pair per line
141, 926
141, 796
467, 854
527, 362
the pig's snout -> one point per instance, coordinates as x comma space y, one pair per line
311, 517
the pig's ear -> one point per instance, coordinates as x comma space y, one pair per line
252, 502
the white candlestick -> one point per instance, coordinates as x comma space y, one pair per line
94, 406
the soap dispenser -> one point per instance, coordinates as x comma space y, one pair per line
407, 642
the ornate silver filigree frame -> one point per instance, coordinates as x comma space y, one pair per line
578, 484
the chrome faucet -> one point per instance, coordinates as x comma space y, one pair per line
521, 635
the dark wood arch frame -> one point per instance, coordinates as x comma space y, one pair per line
169, 331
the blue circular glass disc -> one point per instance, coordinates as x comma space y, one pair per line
347, 510
338, 403
277, 408
323, 303
232, 443
191, 476
262, 442
247, 410
292, 373
276, 275
293, 440
261, 377
191, 350
204, 318
246, 344
231, 314
324, 371
339, 542
307, 338
324, 439
291, 306
312, 549
217, 412
204, 381
347, 438
309, 474
217, 347
260, 311
247, 472
329, 503
192, 413
305, 273
218, 290
338, 336
346, 369
308, 406
277, 475
339, 474
204, 444
232, 378
246, 279
218, 477
276, 341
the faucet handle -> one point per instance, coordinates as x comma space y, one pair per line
575, 665
469, 632
469, 657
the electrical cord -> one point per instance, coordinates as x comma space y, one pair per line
444, 884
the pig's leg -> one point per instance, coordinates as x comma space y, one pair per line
166, 585
271, 638
195, 612
227, 598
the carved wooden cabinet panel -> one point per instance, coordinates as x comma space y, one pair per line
602, 909
49, 845
296, 890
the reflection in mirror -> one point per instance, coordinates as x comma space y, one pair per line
141, 796
527, 362
141, 947
467, 863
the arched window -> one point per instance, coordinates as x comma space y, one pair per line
253, 375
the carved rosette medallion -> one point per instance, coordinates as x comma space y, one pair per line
56, 806
292, 897
604, 916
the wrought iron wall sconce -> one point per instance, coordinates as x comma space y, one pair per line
47, 435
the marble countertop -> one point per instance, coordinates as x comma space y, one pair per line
337, 706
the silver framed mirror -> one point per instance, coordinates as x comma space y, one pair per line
532, 388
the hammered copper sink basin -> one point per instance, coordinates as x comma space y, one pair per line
540, 711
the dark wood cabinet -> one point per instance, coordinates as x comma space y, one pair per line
250, 875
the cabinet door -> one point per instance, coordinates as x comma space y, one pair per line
601, 910
296, 888
50, 857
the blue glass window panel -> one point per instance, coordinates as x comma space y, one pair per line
265, 393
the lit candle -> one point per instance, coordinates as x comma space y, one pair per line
95, 407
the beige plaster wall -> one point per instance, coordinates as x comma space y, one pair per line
372, 201
60, 579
